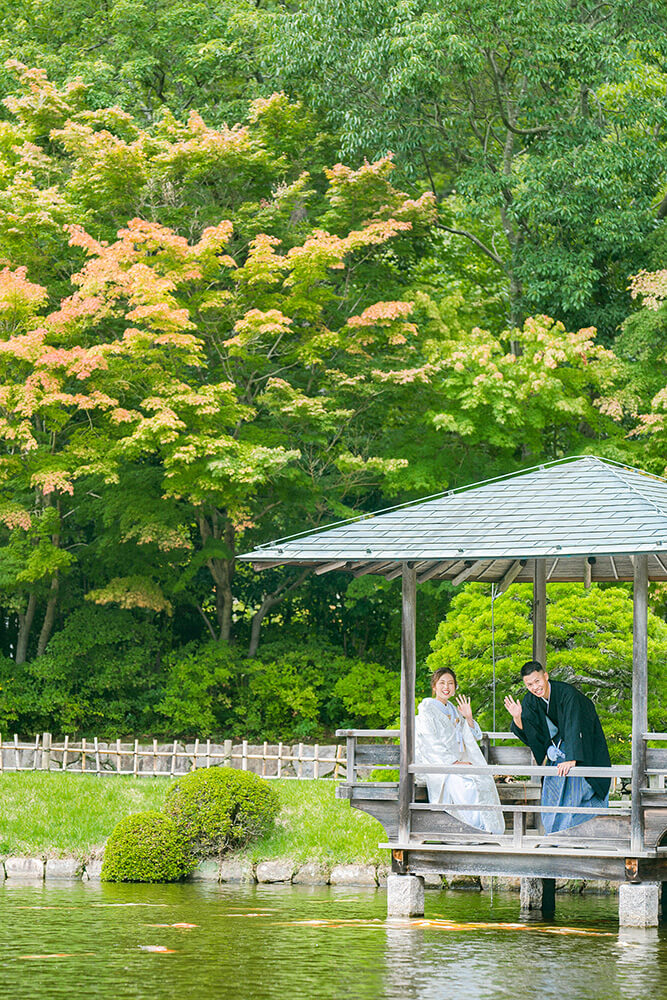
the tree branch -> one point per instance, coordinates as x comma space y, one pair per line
474, 239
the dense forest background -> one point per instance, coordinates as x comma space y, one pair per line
267, 265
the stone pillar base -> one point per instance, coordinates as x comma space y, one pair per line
638, 904
405, 896
538, 894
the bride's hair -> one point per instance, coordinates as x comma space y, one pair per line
440, 672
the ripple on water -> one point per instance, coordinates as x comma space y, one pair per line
185, 942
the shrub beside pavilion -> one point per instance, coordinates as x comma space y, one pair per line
207, 813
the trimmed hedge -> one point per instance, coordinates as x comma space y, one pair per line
147, 847
218, 809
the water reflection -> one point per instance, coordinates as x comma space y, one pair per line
275, 942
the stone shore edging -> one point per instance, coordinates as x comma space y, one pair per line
23, 868
277, 871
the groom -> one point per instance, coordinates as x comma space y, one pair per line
560, 723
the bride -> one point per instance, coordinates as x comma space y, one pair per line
446, 734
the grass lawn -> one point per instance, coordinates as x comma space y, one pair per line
50, 814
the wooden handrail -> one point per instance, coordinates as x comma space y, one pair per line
348, 733
394, 733
623, 810
619, 771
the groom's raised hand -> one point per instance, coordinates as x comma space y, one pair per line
514, 708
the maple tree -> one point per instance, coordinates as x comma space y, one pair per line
177, 356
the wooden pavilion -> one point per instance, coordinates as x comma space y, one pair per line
581, 519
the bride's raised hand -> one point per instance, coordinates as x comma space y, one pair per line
464, 707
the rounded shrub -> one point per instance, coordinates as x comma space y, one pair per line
147, 847
218, 809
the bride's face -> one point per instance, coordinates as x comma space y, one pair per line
445, 688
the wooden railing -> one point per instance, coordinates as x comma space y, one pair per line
516, 762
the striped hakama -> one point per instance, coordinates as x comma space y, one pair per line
571, 791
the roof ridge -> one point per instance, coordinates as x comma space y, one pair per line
630, 486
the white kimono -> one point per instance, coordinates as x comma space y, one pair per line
443, 736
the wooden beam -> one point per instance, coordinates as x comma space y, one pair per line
660, 562
392, 574
257, 566
408, 672
433, 571
510, 576
329, 566
371, 567
639, 696
613, 567
540, 612
553, 569
465, 573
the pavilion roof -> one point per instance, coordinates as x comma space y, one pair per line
584, 515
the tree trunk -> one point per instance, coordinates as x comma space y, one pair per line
270, 601
25, 624
222, 570
49, 616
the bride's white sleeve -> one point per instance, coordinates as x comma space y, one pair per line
435, 740
476, 731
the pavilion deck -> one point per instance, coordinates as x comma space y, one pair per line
436, 838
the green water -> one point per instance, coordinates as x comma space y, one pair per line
287, 943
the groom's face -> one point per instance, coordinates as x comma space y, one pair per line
537, 683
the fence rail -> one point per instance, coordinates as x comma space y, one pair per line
108, 757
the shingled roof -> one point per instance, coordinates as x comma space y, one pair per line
584, 515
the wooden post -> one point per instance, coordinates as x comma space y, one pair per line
46, 752
350, 764
339, 753
65, 749
588, 573
540, 612
639, 696
408, 670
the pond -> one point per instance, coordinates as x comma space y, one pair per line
185, 942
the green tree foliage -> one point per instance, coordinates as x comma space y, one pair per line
287, 691
589, 644
194, 370
147, 847
643, 344
101, 675
208, 368
143, 56
541, 129
218, 809
214, 334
